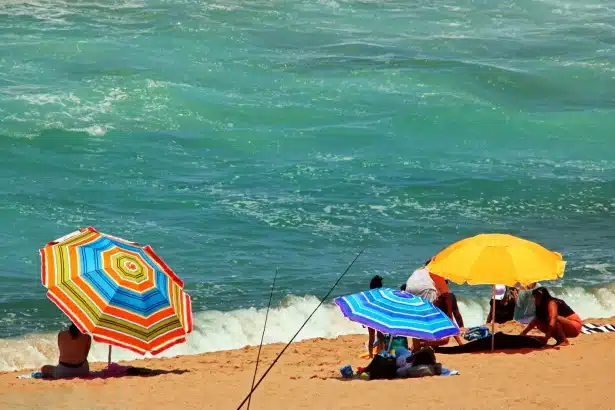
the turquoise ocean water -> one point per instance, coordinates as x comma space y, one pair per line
240, 136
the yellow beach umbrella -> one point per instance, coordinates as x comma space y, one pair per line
491, 259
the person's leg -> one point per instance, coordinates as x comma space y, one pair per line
445, 303
441, 342
571, 328
64, 372
558, 332
457, 313
380, 341
48, 370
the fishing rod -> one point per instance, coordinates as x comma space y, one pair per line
298, 331
262, 336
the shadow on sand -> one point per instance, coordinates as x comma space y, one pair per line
504, 343
126, 372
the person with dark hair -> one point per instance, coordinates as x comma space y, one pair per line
375, 283
554, 318
74, 348
505, 303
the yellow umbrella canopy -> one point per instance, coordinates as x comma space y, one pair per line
490, 259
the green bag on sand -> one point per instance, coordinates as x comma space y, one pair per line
398, 341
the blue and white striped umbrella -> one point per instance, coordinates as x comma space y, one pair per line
397, 313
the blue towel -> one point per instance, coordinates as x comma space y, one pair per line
447, 372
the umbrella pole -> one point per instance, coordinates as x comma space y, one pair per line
109, 357
493, 320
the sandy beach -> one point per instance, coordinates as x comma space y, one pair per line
578, 376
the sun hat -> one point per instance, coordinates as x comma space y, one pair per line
500, 291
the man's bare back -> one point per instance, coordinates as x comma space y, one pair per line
73, 351
74, 348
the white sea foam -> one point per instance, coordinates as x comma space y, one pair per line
215, 330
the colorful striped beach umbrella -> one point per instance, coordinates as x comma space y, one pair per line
121, 293
397, 313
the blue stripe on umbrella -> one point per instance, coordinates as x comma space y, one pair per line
397, 313
94, 274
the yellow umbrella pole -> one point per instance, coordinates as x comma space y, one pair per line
493, 319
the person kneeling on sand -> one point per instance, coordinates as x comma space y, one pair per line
74, 348
554, 318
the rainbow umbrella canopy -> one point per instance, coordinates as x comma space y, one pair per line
121, 293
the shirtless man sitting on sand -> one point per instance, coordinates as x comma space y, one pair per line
74, 348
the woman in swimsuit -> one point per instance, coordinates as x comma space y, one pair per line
554, 318
74, 348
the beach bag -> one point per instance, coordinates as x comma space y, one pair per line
382, 368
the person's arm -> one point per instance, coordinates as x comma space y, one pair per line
445, 303
370, 345
448, 302
552, 320
529, 327
381, 346
458, 318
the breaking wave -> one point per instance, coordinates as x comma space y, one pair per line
215, 330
